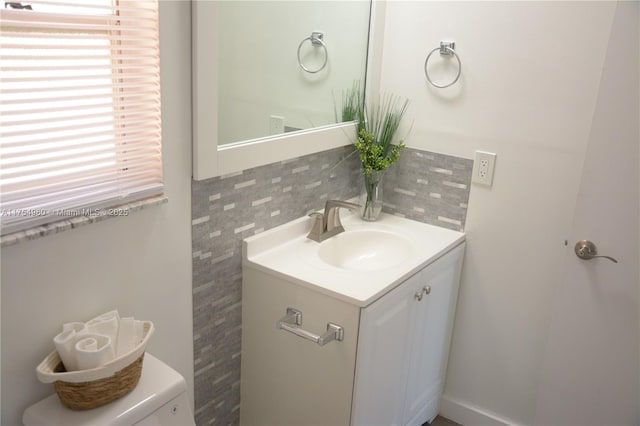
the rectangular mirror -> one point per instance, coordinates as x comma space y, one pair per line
269, 77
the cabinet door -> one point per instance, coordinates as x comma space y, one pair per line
287, 380
382, 358
431, 326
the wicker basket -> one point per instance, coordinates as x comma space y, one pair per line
86, 389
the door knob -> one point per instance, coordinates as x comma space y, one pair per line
586, 250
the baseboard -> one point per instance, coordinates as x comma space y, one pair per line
470, 415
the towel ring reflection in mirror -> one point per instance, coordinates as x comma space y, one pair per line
446, 49
317, 39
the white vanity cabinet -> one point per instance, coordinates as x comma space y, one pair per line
389, 368
403, 347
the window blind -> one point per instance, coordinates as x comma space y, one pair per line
80, 124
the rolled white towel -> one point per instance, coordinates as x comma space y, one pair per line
106, 324
78, 327
94, 350
65, 343
130, 334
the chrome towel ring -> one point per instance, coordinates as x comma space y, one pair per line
446, 49
316, 38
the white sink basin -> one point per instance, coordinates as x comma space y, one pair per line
365, 250
358, 265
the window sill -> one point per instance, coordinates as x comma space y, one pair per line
76, 222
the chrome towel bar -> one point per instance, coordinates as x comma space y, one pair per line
292, 321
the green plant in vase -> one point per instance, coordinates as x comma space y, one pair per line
378, 123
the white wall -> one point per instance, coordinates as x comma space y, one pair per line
529, 85
139, 264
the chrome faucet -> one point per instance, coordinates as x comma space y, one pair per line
328, 224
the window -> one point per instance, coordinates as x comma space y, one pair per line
80, 122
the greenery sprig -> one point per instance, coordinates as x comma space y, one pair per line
378, 123
352, 101
375, 157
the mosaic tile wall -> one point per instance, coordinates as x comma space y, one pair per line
423, 186
429, 187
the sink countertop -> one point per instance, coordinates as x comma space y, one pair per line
286, 252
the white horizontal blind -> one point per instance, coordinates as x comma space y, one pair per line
80, 122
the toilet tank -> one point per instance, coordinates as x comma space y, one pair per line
160, 398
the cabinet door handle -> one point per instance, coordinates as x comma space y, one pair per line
292, 321
420, 294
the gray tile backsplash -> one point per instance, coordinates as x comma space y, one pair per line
429, 187
423, 186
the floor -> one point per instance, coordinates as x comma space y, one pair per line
441, 421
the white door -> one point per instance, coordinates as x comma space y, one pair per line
590, 373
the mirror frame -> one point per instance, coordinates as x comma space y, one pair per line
211, 160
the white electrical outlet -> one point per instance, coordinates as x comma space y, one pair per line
276, 125
483, 168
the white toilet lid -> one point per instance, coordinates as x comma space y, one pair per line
158, 384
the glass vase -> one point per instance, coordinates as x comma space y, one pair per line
371, 195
